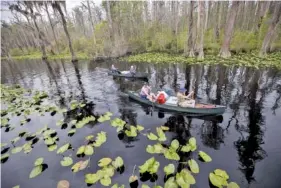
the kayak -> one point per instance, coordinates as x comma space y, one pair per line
127, 74
171, 105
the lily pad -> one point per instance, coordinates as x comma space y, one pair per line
175, 144
171, 154
105, 181
133, 178
81, 165
169, 169
91, 178
52, 147
171, 183
221, 173
118, 162
16, 150
193, 166
67, 161
37, 170
89, 137
63, 184
104, 161
217, 181
89, 150
192, 144
161, 134
140, 128
63, 148
232, 185
205, 156
80, 150
152, 136
186, 148
165, 128
39, 161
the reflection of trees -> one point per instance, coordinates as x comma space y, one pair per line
54, 78
249, 149
78, 75
212, 134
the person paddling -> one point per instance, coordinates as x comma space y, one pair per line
114, 69
145, 93
185, 101
133, 70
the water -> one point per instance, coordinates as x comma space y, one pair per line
244, 142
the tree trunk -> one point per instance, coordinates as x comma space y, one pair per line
91, 21
57, 6
42, 45
52, 26
218, 20
108, 16
224, 52
201, 30
190, 47
271, 30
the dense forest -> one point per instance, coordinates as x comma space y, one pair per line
116, 28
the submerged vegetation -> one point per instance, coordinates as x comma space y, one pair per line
25, 103
246, 59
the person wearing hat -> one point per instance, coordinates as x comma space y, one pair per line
185, 101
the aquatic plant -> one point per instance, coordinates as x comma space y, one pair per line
247, 59
108, 166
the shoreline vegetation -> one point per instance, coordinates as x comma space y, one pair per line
242, 59
116, 28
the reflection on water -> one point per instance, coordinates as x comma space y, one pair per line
252, 97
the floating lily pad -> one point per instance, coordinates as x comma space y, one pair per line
205, 156
63, 148
16, 150
39, 161
193, 166
169, 169
118, 162
37, 170
152, 136
67, 161
104, 161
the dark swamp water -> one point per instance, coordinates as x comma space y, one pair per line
245, 141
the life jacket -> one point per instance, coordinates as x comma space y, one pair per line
161, 98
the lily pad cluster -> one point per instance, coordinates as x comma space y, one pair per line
160, 135
105, 117
129, 130
151, 166
38, 168
219, 179
248, 59
104, 175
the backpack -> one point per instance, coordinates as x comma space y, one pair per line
161, 98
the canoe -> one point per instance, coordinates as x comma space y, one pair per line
129, 75
204, 109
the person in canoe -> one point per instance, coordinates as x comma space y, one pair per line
161, 97
146, 93
133, 70
114, 69
185, 101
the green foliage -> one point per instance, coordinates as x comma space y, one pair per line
151, 166
244, 41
